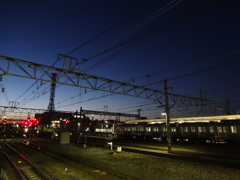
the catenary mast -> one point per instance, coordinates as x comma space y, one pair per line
51, 106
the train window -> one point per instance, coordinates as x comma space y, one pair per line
155, 129
224, 129
219, 128
173, 129
204, 129
164, 129
134, 128
127, 129
193, 129
200, 129
234, 129
148, 129
185, 129
211, 130
140, 128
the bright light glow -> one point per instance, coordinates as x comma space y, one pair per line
26, 130
66, 122
231, 118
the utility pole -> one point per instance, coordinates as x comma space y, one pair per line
139, 113
167, 110
4, 136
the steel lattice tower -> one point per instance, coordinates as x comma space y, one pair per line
51, 106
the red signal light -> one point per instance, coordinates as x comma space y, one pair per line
66, 122
30, 122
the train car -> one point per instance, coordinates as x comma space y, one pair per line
103, 127
228, 131
210, 132
195, 131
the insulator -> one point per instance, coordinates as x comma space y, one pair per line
3, 89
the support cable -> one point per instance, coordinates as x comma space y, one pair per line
192, 63
92, 39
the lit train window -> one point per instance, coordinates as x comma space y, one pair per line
234, 129
155, 129
225, 129
164, 128
148, 129
127, 129
185, 129
173, 129
193, 129
140, 129
134, 128
200, 129
219, 128
204, 129
211, 130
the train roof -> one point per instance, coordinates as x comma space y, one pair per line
189, 119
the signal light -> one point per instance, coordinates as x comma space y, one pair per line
66, 122
30, 122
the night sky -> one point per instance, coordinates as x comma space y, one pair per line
193, 44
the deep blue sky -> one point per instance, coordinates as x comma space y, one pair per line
188, 32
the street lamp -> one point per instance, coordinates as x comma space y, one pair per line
163, 113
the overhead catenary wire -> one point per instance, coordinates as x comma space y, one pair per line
153, 30
191, 64
135, 27
92, 39
121, 44
95, 37
196, 72
148, 19
140, 38
175, 68
148, 3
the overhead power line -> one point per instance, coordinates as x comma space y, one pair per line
135, 27
113, 26
92, 39
191, 64
153, 30
197, 72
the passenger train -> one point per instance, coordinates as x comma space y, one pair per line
202, 129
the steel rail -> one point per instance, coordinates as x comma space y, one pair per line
39, 171
15, 167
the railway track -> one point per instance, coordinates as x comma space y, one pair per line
89, 167
23, 167
228, 156
96, 170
